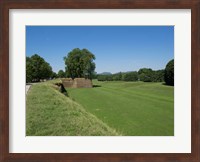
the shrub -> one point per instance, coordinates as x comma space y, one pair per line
169, 73
130, 76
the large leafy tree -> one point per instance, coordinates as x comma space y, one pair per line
61, 74
79, 63
169, 73
37, 68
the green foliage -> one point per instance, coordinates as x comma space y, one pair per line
109, 77
158, 76
104, 77
94, 75
79, 63
146, 75
54, 75
132, 108
149, 75
29, 76
130, 76
117, 76
169, 73
37, 68
61, 74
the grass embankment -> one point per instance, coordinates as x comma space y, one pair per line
132, 108
50, 113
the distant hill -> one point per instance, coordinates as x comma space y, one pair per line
105, 73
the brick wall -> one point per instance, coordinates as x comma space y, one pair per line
77, 83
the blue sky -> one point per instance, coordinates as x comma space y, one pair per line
117, 48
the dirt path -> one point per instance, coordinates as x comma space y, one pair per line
27, 88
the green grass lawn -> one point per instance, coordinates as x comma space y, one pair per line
108, 109
131, 108
50, 113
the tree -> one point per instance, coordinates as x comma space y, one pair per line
117, 76
94, 75
79, 63
158, 76
101, 78
109, 77
130, 76
169, 73
29, 76
61, 74
145, 75
104, 77
37, 68
54, 75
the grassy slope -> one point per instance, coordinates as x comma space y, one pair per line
48, 112
132, 108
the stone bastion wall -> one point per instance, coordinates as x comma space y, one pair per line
76, 83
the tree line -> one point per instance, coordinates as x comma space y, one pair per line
144, 74
80, 64
37, 68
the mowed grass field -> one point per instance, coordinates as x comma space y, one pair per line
131, 108
51, 113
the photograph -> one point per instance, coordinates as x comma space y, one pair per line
99, 80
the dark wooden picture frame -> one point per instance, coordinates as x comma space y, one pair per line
5, 5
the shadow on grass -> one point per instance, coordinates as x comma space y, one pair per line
96, 86
62, 89
167, 85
